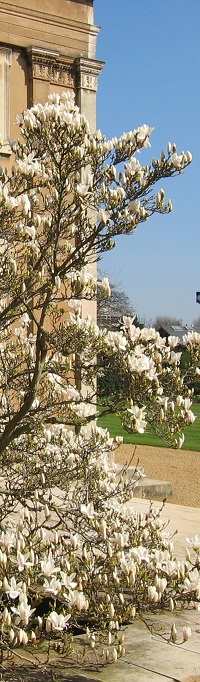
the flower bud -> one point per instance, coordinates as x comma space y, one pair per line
186, 633
20, 635
114, 655
173, 633
189, 157
48, 625
46, 511
57, 282
24, 638
32, 556
33, 637
121, 598
109, 639
132, 612
11, 635
111, 610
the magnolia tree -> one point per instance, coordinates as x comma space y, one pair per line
73, 553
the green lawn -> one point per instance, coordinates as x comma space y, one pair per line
192, 433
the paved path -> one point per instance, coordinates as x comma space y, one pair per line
185, 520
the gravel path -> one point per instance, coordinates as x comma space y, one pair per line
180, 467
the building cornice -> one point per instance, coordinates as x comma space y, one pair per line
50, 66
35, 15
87, 71
75, 73
23, 26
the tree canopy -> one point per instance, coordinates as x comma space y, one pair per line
71, 552
110, 311
166, 320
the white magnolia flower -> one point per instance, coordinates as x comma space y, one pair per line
170, 567
77, 599
23, 611
152, 593
25, 202
173, 341
121, 539
143, 134
191, 339
141, 363
53, 587
116, 340
177, 160
137, 416
7, 539
14, 589
140, 553
56, 622
48, 567
82, 189
133, 166
76, 305
189, 416
23, 561
82, 410
105, 287
128, 321
194, 542
88, 510
68, 580
103, 216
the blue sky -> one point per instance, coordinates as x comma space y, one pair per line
152, 75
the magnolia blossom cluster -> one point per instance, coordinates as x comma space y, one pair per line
56, 136
77, 555
150, 367
153, 391
73, 554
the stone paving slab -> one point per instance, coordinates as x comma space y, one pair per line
185, 520
151, 659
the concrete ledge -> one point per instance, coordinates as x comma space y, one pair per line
151, 488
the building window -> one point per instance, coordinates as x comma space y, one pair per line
5, 63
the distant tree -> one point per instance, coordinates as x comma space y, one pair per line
110, 311
196, 321
165, 320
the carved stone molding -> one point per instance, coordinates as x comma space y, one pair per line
52, 67
55, 68
87, 72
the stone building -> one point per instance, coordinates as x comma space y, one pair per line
46, 46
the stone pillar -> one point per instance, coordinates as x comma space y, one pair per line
87, 72
5, 64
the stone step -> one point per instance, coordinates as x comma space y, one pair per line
153, 489
145, 487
